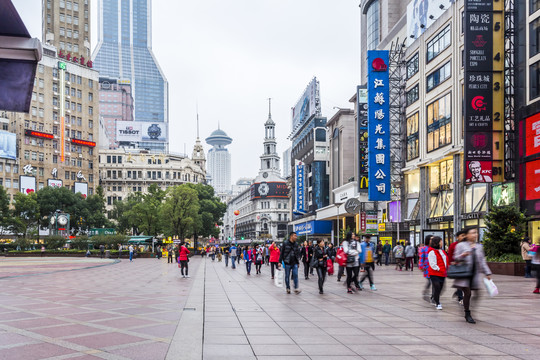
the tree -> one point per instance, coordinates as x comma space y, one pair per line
181, 211
144, 214
94, 210
26, 213
211, 210
51, 199
506, 227
121, 213
5, 214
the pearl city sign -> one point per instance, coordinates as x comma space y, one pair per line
484, 91
378, 126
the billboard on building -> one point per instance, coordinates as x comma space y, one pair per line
273, 189
421, 14
27, 184
54, 183
129, 131
313, 227
362, 118
81, 187
532, 180
307, 105
532, 135
504, 194
378, 126
154, 131
8, 145
299, 189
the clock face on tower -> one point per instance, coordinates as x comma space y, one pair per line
263, 189
265, 175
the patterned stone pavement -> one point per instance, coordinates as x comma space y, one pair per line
144, 310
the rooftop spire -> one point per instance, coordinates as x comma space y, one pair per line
269, 108
197, 121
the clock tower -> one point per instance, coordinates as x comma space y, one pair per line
269, 158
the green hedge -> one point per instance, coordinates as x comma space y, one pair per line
505, 258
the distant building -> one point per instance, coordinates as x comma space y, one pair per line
219, 162
125, 52
115, 105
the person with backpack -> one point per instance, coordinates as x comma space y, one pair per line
351, 247
423, 265
409, 256
341, 259
367, 260
290, 254
386, 251
437, 267
331, 258
399, 255
233, 250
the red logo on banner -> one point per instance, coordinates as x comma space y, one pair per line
532, 179
478, 103
479, 140
479, 41
379, 65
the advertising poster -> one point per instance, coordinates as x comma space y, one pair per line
532, 135
128, 131
362, 107
54, 183
153, 131
269, 190
299, 187
378, 126
372, 226
421, 14
532, 179
479, 145
82, 188
27, 184
306, 106
504, 194
8, 147
478, 172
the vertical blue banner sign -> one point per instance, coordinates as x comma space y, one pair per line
300, 200
378, 126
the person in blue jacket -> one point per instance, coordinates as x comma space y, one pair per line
367, 259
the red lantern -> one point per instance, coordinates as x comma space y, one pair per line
236, 212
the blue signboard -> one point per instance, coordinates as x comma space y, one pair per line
313, 227
300, 181
378, 126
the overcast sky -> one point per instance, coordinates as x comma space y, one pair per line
231, 56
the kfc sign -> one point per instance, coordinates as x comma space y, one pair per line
78, 60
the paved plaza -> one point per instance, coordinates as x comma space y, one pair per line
58, 308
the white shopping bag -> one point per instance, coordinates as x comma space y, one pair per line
491, 287
278, 279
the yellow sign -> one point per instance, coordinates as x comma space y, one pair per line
164, 253
364, 182
386, 238
382, 226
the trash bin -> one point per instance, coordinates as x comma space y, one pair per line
108, 254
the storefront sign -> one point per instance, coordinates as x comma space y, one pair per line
54, 183
471, 216
362, 221
299, 188
83, 142
352, 206
371, 222
73, 58
38, 134
362, 115
321, 227
440, 219
382, 227
378, 126
532, 135
27, 184
532, 178
504, 194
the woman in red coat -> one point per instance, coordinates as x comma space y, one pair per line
183, 259
438, 264
274, 258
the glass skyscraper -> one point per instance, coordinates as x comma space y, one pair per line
124, 52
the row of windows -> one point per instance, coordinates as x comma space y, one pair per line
439, 127
439, 43
152, 175
69, 33
438, 76
8, 168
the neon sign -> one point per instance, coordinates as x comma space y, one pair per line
78, 60
83, 142
38, 134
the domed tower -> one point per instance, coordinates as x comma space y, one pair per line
219, 161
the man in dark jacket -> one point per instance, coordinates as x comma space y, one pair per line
289, 256
386, 250
307, 254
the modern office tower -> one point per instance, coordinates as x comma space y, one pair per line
66, 26
115, 108
219, 161
124, 51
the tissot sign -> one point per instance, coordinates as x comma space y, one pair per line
484, 90
128, 131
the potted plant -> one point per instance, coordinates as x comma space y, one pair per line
506, 227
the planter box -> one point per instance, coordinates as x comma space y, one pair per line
512, 269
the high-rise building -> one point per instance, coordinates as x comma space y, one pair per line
124, 51
66, 26
219, 161
116, 105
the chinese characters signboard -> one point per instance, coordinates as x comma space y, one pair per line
484, 90
378, 126
299, 188
362, 118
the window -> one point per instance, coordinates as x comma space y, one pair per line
41, 97
55, 159
26, 155
534, 80
90, 83
439, 123
68, 19
41, 83
412, 95
79, 121
68, 5
75, 48
90, 110
62, 4
90, 97
75, 6
412, 66
534, 6
372, 16
76, 34
34, 111
440, 42
40, 68
438, 76
90, 124
79, 107
34, 155
68, 32
534, 37
79, 94
62, 17
412, 137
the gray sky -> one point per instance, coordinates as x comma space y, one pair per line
230, 56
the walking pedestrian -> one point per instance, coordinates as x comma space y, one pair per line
399, 255
170, 255
386, 250
351, 247
320, 257
183, 257
259, 259
233, 251
423, 265
341, 259
471, 253
274, 258
307, 254
42, 250
409, 256
367, 261
119, 251
226, 251
460, 236
525, 248
535, 262
248, 258
131, 253
266, 254
212, 252
379, 252
332, 257
290, 254
101, 250
438, 264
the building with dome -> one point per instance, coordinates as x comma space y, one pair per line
219, 162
